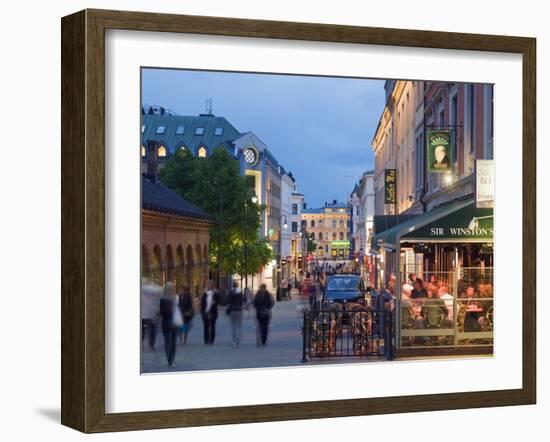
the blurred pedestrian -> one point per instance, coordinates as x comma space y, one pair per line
263, 303
248, 300
171, 322
235, 311
150, 298
187, 312
209, 312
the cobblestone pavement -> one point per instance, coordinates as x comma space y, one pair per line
284, 345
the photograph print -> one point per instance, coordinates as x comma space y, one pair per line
298, 220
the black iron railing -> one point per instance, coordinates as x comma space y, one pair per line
334, 333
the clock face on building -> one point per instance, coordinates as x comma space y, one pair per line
250, 156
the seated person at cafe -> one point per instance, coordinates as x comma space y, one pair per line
472, 320
418, 291
443, 294
434, 310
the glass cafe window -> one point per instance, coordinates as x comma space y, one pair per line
457, 309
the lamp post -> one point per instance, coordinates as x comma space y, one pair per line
303, 236
254, 200
284, 226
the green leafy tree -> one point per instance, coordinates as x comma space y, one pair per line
215, 185
311, 244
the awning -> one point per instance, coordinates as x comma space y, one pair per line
455, 222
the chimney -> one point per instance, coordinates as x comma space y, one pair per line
152, 160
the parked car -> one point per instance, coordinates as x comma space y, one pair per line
346, 291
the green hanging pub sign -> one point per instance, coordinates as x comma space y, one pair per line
440, 151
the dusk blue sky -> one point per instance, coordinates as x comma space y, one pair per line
319, 128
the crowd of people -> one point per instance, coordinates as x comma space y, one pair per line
176, 313
431, 305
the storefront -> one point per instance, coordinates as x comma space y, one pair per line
450, 250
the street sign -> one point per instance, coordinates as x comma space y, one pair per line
390, 186
485, 172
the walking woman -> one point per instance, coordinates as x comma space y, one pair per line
235, 312
209, 312
187, 312
263, 303
171, 322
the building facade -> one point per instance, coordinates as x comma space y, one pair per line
175, 236
329, 227
433, 134
200, 135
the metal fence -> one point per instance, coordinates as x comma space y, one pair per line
363, 332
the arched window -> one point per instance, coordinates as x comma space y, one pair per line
341, 236
320, 236
179, 257
334, 236
312, 223
341, 223
143, 153
201, 153
162, 151
313, 236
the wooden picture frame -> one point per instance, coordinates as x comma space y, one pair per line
83, 220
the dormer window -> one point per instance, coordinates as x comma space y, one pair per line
180, 130
218, 131
143, 153
161, 151
201, 153
143, 128
161, 130
199, 131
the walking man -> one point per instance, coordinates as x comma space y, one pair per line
263, 303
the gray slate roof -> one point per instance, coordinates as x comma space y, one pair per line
159, 198
188, 139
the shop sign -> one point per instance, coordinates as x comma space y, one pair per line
390, 186
467, 223
485, 174
340, 244
440, 151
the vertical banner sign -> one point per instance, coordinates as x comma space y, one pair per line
440, 151
485, 178
390, 186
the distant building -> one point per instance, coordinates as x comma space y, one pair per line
329, 227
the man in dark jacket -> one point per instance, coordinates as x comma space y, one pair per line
263, 303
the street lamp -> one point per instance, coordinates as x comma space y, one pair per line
474, 222
284, 226
254, 200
